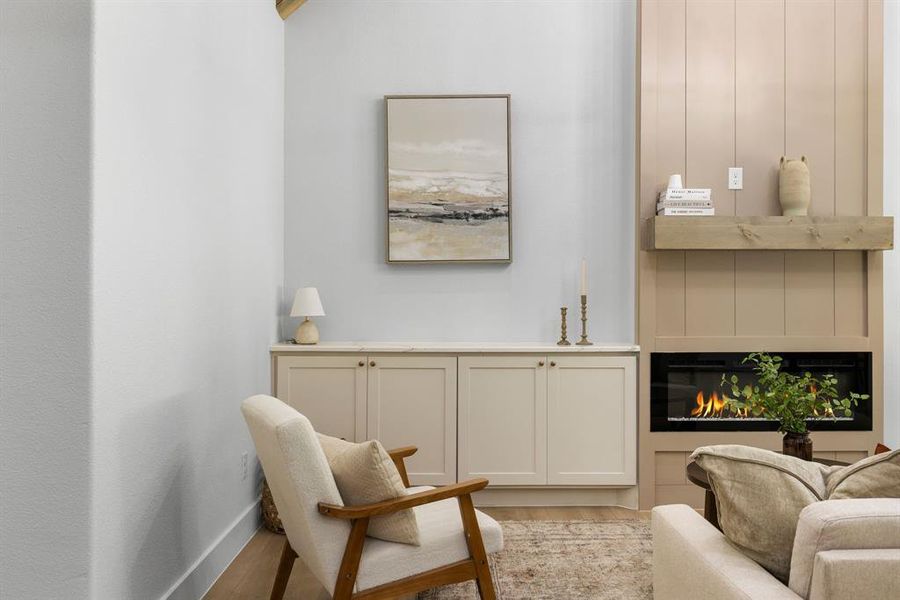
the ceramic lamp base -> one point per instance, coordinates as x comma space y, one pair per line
307, 333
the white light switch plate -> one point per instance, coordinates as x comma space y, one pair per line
735, 178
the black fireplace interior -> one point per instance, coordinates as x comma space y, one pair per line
686, 395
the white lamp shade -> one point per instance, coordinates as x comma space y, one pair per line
307, 303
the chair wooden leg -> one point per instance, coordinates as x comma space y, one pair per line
284, 571
476, 548
346, 580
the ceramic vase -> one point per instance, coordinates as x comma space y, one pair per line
793, 187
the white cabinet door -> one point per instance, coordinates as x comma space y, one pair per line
592, 427
503, 419
412, 402
329, 390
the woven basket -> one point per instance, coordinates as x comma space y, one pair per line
271, 521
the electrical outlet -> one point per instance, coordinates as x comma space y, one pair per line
735, 178
243, 466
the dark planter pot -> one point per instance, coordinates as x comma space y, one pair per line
798, 445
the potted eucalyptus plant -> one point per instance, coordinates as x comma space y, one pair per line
789, 399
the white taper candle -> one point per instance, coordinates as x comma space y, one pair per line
583, 277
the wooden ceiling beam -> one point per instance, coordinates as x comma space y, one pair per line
286, 7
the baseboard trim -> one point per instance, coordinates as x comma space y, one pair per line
200, 577
626, 497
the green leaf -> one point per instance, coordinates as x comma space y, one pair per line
848, 413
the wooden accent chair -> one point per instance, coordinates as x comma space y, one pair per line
331, 539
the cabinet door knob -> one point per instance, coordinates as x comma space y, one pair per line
552, 363
540, 363
362, 363
372, 363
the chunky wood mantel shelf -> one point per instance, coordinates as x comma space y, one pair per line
770, 233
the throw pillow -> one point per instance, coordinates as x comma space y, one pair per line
877, 476
759, 496
364, 473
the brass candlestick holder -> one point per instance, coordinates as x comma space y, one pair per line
584, 340
562, 338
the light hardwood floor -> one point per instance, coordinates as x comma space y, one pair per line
251, 573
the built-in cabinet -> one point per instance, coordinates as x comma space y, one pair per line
547, 420
400, 401
591, 421
518, 419
503, 419
411, 401
329, 390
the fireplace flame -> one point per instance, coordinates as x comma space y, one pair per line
713, 407
828, 412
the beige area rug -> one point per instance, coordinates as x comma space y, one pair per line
567, 560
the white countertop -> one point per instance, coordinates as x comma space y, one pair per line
456, 347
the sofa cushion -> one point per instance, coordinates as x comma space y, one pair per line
364, 473
841, 525
877, 476
759, 496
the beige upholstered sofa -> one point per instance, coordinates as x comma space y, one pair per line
843, 549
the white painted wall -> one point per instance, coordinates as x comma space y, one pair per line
187, 271
45, 346
892, 207
570, 69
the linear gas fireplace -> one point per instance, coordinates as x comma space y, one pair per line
686, 395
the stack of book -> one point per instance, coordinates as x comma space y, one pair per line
686, 202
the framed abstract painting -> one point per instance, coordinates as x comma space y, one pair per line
448, 179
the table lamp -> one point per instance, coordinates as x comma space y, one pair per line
307, 304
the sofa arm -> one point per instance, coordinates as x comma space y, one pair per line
857, 574
859, 524
692, 560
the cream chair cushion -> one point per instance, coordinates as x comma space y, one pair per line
442, 540
299, 477
842, 525
365, 474
759, 496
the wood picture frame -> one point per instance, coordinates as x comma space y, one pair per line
449, 184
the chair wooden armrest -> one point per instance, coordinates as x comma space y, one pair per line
402, 452
403, 502
397, 455
475, 567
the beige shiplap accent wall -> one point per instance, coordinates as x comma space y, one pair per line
740, 83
